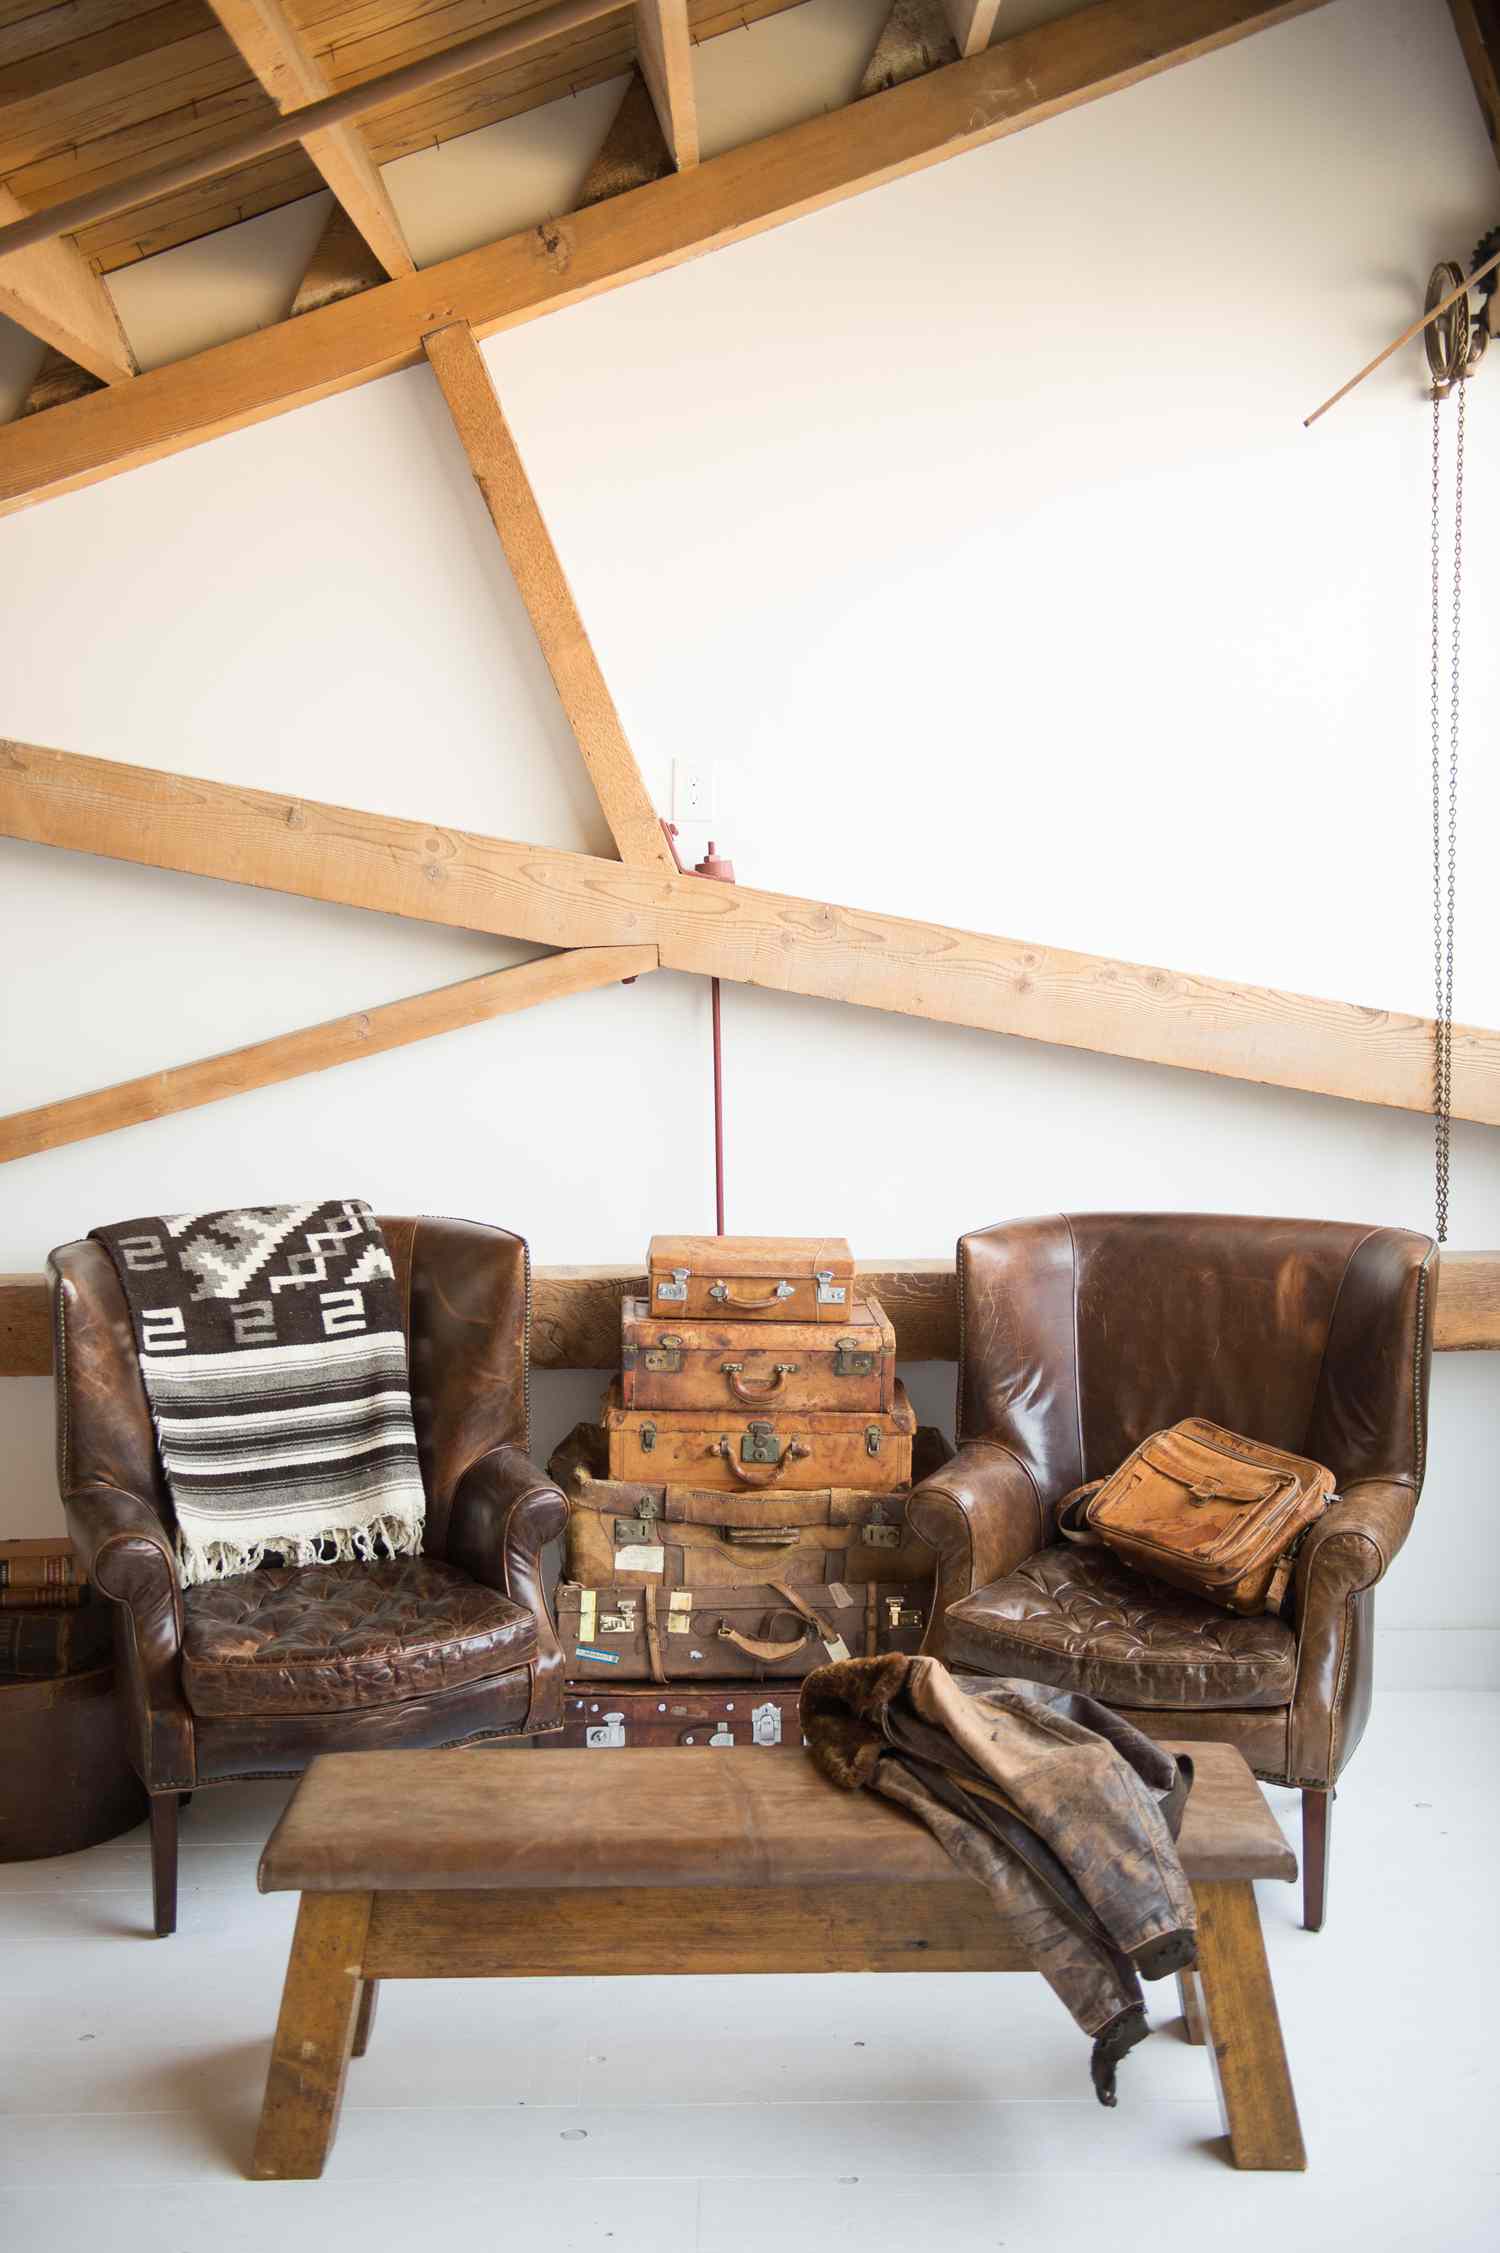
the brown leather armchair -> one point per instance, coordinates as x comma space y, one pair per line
254, 1675
1081, 1334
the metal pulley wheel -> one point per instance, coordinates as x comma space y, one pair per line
1455, 342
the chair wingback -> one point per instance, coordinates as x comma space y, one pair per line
465, 1307
1082, 1333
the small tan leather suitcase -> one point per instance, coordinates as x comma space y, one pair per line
752, 1278
791, 1450
606, 1716
764, 1632
724, 1364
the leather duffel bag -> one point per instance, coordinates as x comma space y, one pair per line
1206, 1510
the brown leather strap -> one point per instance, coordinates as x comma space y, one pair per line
721, 1295
816, 1625
1070, 1515
872, 1620
768, 1651
794, 1451
653, 1634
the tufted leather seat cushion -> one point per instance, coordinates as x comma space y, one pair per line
325, 1638
1080, 1620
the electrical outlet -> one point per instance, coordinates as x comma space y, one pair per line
692, 790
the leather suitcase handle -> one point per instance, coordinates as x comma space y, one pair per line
755, 1648
747, 1390
721, 1295
791, 1453
813, 1626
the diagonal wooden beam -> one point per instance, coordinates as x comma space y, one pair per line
341, 266
731, 931
1019, 83
1477, 23
56, 381
54, 293
665, 48
273, 47
505, 489
342, 1040
973, 23
915, 38
576, 1312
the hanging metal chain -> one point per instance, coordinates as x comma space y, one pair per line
1445, 830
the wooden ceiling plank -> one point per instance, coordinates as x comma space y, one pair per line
342, 1040
770, 939
1477, 23
916, 37
27, 29
54, 293
1017, 84
973, 23
575, 1320
542, 584
271, 44
633, 152
665, 51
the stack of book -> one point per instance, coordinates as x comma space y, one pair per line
49, 1623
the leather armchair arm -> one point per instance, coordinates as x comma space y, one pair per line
504, 1514
127, 1555
983, 1515
1346, 1553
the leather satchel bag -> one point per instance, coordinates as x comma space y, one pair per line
1206, 1510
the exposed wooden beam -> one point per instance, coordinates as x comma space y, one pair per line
665, 48
633, 152
273, 47
341, 266
915, 38
575, 1322
311, 120
505, 489
342, 1040
54, 293
1019, 83
767, 939
1477, 23
973, 23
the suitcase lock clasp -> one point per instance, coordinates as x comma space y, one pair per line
677, 1288
641, 1528
849, 1361
829, 1292
872, 1439
759, 1444
666, 1356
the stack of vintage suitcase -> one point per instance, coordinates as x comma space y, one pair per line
738, 1518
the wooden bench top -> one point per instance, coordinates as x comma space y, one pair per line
661, 1816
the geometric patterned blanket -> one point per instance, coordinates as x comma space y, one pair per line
271, 1346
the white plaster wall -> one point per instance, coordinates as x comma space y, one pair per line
972, 529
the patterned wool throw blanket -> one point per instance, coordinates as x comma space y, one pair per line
271, 1346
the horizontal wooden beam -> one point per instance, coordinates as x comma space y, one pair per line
575, 1320
1019, 83
767, 939
342, 1040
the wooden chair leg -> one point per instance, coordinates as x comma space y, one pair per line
1193, 2026
164, 1861
1244, 2032
1317, 1839
364, 2024
314, 2036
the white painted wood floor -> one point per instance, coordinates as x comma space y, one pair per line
944, 2114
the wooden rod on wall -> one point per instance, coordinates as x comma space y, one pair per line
1380, 358
295, 125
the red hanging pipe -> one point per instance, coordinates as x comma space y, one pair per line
718, 872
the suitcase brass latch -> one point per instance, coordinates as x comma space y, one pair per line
829, 1292
677, 1288
759, 1444
666, 1356
848, 1361
882, 1536
872, 1439
641, 1528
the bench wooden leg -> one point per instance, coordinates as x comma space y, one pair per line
1244, 2032
1193, 2026
364, 2024
314, 2035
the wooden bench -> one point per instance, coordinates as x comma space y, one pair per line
449, 1865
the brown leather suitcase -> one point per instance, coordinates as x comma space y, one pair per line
628, 1532
604, 1716
765, 1632
752, 1278
790, 1450
725, 1365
